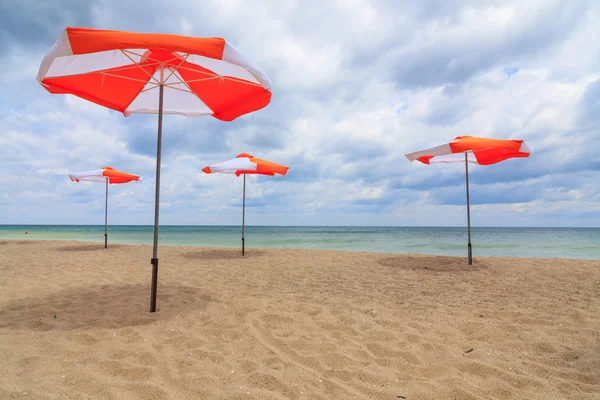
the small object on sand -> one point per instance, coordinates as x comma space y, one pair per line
54, 316
401, 397
468, 351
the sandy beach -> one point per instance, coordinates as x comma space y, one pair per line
299, 324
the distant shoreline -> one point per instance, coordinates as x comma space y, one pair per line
570, 243
317, 226
97, 243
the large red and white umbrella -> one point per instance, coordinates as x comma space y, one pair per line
149, 73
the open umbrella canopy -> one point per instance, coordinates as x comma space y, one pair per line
105, 174
476, 150
245, 164
150, 73
482, 151
124, 70
248, 164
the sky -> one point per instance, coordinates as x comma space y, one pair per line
356, 85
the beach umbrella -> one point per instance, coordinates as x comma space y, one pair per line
108, 176
245, 164
475, 150
149, 73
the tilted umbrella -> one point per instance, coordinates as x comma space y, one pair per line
245, 164
476, 150
160, 74
109, 176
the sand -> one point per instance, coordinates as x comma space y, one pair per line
298, 324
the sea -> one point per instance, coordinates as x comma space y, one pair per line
579, 243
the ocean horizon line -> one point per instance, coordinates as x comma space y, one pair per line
322, 226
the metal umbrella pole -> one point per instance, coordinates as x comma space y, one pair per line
154, 260
470, 249
106, 217
244, 214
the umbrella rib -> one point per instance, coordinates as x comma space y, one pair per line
123, 77
220, 77
149, 58
181, 90
133, 52
123, 68
149, 88
138, 65
184, 59
187, 86
172, 84
200, 80
231, 78
162, 64
207, 72
127, 67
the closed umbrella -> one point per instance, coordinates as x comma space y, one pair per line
475, 150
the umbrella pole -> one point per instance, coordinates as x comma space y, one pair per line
154, 260
244, 214
470, 250
106, 217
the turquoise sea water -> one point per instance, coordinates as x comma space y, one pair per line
583, 243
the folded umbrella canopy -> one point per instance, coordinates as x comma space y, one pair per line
107, 175
476, 150
245, 164
160, 74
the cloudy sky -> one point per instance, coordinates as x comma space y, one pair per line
356, 85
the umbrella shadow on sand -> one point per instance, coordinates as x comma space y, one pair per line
100, 307
20, 242
433, 263
223, 254
88, 247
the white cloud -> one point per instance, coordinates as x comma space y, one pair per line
357, 85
